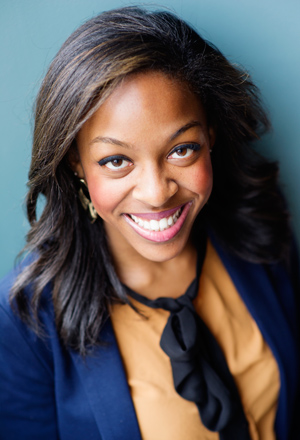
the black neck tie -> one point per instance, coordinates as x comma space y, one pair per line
200, 371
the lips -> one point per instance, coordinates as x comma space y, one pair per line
159, 227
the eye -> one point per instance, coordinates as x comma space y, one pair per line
115, 163
184, 151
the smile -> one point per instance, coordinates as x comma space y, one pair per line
159, 227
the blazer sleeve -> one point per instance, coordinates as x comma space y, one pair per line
294, 270
27, 402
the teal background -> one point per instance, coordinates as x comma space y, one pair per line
262, 35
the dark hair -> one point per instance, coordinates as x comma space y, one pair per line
245, 211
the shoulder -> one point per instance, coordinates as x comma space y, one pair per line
17, 340
265, 283
26, 370
7, 282
288, 269
6, 285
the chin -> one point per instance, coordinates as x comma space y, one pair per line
161, 252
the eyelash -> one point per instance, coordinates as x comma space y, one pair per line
106, 160
194, 147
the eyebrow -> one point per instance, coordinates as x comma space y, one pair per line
109, 140
185, 128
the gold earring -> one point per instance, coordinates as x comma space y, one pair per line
86, 202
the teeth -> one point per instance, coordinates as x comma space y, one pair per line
154, 225
163, 224
170, 221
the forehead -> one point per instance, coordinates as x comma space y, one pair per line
143, 103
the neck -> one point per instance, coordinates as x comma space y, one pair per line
154, 279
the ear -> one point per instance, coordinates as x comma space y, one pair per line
74, 161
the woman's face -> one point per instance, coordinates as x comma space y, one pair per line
145, 157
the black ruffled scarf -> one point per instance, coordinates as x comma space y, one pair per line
200, 371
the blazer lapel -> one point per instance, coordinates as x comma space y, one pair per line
104, 380
268, 295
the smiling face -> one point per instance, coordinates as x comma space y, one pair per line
145, 157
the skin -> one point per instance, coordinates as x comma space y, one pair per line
143, 121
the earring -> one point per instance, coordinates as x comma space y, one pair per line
86, 202
210, 150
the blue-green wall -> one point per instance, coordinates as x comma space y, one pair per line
262, 35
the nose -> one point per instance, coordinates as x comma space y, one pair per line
154, 187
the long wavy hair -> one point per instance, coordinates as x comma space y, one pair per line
246, 211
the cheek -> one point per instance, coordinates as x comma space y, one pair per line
105, 197
201, 179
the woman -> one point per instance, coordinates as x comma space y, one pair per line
158, 297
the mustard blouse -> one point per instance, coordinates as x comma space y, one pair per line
163, 414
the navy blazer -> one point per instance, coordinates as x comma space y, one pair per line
48, 392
